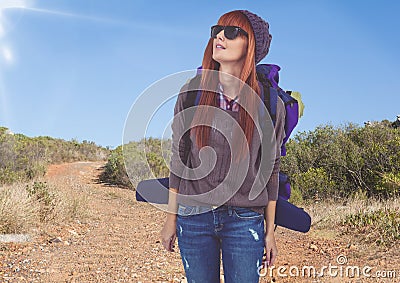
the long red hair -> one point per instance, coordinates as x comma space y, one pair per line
210, 80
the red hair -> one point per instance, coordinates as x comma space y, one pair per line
210, 81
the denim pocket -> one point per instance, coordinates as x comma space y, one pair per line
246, 213
185, 210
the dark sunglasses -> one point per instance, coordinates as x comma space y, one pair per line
230, 32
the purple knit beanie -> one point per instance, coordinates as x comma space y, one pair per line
261, 34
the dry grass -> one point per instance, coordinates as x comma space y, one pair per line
329, 214
26, 206
18, 212
68, 206
331, 219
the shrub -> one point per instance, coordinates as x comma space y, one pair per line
18, 211
23, 207
24, 158
313, 183
381, 226
389, 183
136, 161
329, 161
340, 161
296, 196
114, 171
46, 199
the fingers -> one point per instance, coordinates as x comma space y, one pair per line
168, 236
270, 256
264, 261
274, 255
169, 243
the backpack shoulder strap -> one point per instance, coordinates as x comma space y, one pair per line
269, 96
192, 94
191, 97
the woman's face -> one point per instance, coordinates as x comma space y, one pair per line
229, 50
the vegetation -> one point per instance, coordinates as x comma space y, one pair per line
25, 206
364, 220
25, 201
338, 162
381, 226
136, 161
352, 168
328, 162
24, 158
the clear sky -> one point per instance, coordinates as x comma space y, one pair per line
73, 68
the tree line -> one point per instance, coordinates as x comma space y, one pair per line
327, 162
23, 158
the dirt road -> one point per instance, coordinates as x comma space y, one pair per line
118, 241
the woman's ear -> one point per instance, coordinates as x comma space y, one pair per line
269, 40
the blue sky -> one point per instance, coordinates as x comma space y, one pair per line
73, 68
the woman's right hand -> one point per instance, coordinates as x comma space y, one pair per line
168, 233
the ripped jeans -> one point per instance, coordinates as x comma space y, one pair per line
205, 232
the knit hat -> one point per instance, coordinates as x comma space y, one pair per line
261, 34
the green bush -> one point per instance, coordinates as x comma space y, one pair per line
328, 162
389, 183
24, 158
136, 161
381, 226
114, 171
340, 161
314, 183
296, 196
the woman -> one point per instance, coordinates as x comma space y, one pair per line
217, 223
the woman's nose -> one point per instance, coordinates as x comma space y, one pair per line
220, 35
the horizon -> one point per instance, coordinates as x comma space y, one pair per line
10, 132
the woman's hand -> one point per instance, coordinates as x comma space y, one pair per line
270, 249
168, 233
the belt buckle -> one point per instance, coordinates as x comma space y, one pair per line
214, 207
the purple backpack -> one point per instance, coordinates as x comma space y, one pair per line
268, 75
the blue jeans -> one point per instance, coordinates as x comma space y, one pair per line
236, 231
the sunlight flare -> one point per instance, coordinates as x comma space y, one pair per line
71, 15
7, 54
4, 4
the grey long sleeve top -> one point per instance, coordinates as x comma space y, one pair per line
213, 178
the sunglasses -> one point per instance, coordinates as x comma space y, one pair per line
230, 32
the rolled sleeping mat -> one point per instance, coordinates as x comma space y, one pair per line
287, 214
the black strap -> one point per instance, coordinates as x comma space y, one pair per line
193, 87
187, 103
267, 93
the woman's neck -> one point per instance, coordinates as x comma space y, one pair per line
229, 78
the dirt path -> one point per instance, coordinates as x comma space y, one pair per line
118, 241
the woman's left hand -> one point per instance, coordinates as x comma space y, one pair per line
270, 249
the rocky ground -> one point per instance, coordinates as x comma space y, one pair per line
118, 241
